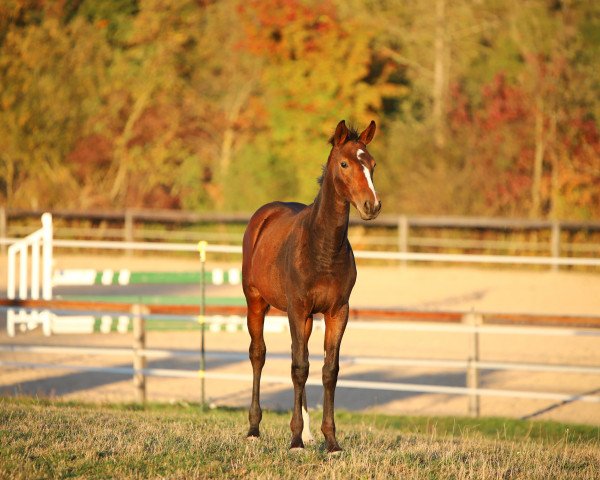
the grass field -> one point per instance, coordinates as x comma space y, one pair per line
44, 439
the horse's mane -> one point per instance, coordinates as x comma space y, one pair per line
352, 136
320, 179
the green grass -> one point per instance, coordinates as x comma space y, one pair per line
45, 439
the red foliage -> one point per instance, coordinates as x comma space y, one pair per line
265, 24
160, 197
502, 103
91, 154
500, 135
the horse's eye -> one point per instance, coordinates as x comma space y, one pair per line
344, 164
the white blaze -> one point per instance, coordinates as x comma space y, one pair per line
369, 181
359, 153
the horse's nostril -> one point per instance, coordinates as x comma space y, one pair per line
367, 206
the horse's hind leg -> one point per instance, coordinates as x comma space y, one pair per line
257, 308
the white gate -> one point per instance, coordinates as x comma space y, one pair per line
40, 244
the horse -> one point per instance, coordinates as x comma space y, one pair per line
297, 258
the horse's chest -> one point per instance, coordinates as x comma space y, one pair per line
329, 290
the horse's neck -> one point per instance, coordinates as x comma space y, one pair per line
329, 223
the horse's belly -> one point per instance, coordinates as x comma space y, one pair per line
267, 277
271, 290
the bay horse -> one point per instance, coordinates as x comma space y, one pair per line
297, 258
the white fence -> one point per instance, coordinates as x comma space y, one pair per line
43, 240
402, 233
370, 255
472, 364
39, 240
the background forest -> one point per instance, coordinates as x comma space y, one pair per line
484, 107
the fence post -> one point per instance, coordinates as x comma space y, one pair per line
23, 264
3, 230
202, 320
47, 253
474, 320
128, 229
139, 357
555, 242
403, 236
11, 284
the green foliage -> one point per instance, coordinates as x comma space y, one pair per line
113, 16
49, 90
229, 104
258, 177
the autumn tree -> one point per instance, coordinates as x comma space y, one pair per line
51, 75
318, 68
487, 108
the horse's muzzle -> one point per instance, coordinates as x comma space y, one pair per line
369, 210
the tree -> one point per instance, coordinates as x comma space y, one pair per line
317, 70
49, 89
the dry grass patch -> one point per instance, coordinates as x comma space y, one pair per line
40, 439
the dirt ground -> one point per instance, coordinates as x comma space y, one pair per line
412, 287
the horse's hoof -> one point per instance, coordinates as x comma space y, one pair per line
334, 451
297, 444
296, 450
253, 438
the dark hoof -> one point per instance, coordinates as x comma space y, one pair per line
297, 444
334, 450
253, 434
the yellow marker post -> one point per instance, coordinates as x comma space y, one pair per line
202, 320
202, 250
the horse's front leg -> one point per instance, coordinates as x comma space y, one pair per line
335, 324
300, 329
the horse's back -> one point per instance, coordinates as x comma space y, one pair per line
278, 215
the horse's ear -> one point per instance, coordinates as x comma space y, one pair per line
367, 135
341, 132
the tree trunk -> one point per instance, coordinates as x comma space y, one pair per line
554, 160
121, 156
538, 160
439, 74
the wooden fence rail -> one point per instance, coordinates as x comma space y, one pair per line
407, 228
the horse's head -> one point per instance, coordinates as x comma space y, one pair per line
352, 166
